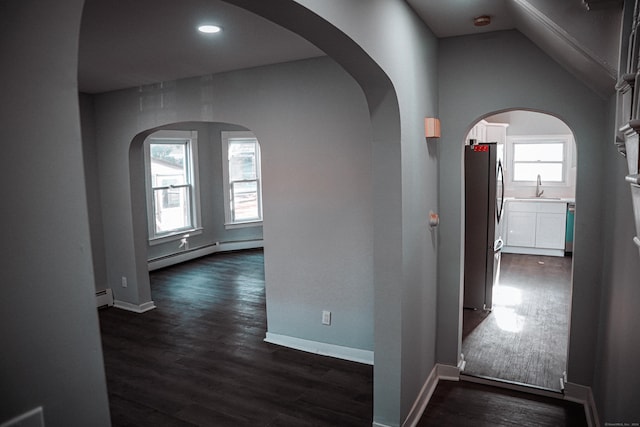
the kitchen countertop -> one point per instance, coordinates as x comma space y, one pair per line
540, 199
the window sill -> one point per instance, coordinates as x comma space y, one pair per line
172, 237
232, 225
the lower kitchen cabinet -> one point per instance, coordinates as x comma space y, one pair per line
536, 227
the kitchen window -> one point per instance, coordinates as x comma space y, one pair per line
242, 179
539, 156
172, 206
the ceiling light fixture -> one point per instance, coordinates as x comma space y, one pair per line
481, 21
209, 29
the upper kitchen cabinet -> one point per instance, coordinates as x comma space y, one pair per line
485, 131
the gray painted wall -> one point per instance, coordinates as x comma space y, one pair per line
54, 302
617, 378
406, 286
312, 123
51, 354
490, 73
89, 154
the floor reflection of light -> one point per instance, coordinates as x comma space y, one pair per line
505, 301
507, 319
506, 296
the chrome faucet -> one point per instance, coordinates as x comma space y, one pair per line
539, 192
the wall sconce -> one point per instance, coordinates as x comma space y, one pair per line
431, 127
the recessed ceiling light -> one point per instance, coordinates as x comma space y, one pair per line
209, 29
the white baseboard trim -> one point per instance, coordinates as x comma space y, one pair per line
188, 255
508, 385
149, 305
439, 372
583, 395
324, 349
532, 251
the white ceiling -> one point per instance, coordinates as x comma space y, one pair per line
132, 43
448, 18
583, 41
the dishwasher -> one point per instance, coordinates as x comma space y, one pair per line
568, 241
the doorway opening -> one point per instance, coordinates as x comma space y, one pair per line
187, 175
520, 176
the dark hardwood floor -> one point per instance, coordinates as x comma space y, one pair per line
524, 339
461, 403
200, 359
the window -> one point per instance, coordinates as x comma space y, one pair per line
171, 194
541, 156
242, 180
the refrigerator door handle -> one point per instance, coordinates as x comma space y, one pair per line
500, 198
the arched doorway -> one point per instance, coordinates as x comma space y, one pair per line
516, 327
186, 205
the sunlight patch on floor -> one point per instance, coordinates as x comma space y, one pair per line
505, 301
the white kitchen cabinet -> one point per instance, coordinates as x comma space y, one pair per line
536, 227
484, 131
550, 230
496, 132
521, 229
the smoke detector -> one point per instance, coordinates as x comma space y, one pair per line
481, 21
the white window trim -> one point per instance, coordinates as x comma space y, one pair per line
566, 140
228, 221
192, 147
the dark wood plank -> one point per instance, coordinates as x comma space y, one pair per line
524, 339
200, 357
461, 403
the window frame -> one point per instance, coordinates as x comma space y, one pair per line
189, 138
227, 137
566, 162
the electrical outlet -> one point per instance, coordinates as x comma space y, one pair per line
124, 281
326, 317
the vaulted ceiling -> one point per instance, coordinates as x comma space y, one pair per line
128, 44
581, 35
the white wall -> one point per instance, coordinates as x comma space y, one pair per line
510, 72
50, 341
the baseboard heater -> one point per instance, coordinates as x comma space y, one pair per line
193, 253
104, 298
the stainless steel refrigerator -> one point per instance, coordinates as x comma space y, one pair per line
484, 187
